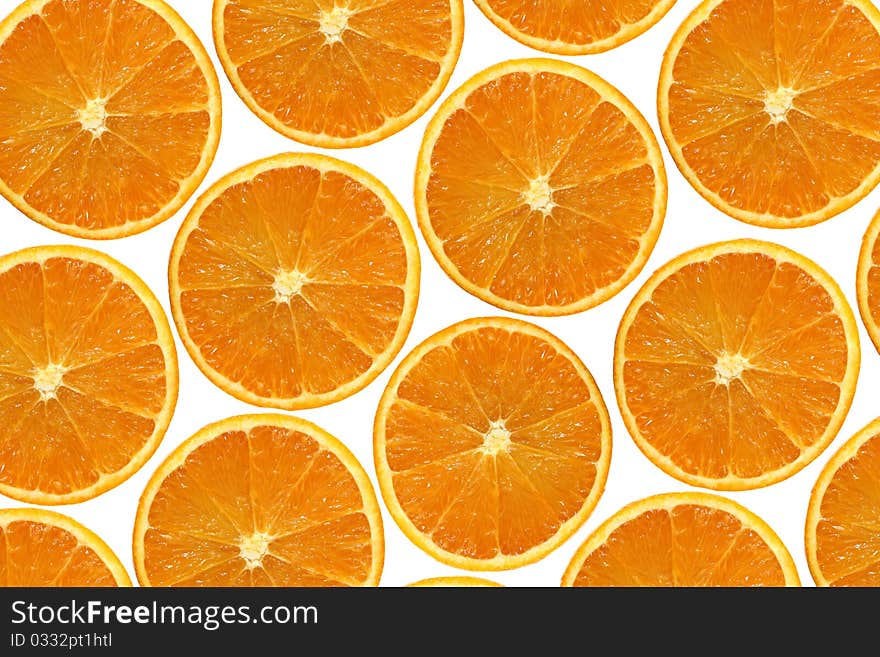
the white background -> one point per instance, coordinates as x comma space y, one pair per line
690, 222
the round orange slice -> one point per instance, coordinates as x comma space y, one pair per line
44, 548
769, 106
540, 188
492, 444
868, 281
682, 539
338, 74
88, 374
736, 364
294, 281
454, 582
574, 28
259, 500
111, 114
843, 521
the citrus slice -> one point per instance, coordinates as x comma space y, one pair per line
294, 281
492, 444
44, 548
574, 28
88, 374
453, 582
540, 188
769, 106
259, 500
736, 364
868, 281
111, 114
843, 521
338, 74
682, 539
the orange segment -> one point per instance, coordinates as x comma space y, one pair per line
492, 444
682, 539
736, 364
294, 281
259, 500
868, 281
574, 28
454, 582
110, 114
338, 74
44, 548
769, 106
540, 188
88, 374
843, 521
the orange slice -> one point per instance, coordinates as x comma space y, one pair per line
682, 539
540, 188
574, 28
843, 521
868, 281
44, 548
736, 364
492, 444
259, 500
769, 106
454, 582
338, 74
88, 374
111, 114
294, 281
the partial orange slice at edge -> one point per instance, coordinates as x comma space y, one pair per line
843, 520
111, 114
454, 582
769, 107
868, 281
682, 539
574, 28
338, 74
44, 548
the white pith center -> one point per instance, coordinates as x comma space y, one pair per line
777, 103
93, 117
729, 367
253, 548
496, 439
333, 23
287, 284
539, 195
48, 379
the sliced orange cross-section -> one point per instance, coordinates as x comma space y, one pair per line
88, 374
540, 188
843, 521
259, 500
682, 539
736, 364
574, 28
769, 106
453, 582
492, 444
44, 548
868, 281
338, 74
294, 281
110, 114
